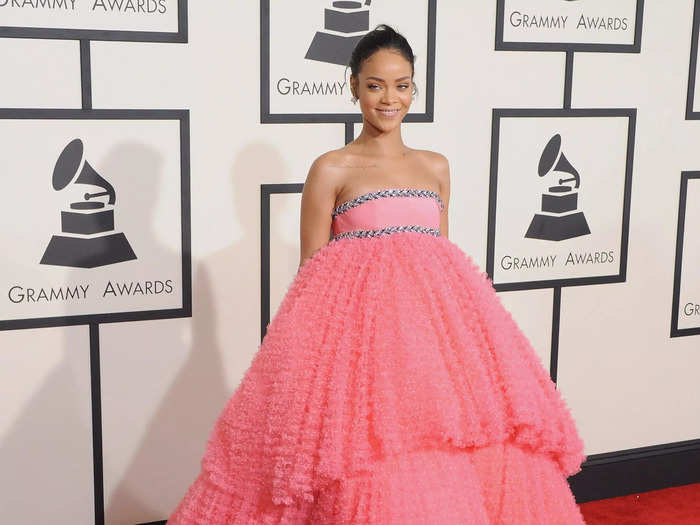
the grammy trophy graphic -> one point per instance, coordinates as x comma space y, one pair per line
346, 22
88, 239
559, 219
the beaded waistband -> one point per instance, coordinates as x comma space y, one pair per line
387, 231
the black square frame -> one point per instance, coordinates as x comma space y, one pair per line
498, 113
266, 190
567, 46
691, 114
296, 118
680, 236
180, 36
185, 233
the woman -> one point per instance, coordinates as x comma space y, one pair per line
392, 387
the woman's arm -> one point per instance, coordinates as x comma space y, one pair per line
442, 172
317, 200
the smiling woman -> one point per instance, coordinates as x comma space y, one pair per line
392, 387
390, 93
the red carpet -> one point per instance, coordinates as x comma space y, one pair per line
672, 506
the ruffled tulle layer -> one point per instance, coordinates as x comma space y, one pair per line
383, 347
499, 484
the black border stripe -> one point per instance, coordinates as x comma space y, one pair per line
627, 193
349, 132
634, 470
430, 66
96, 404
556, 319
568, 78
85, 74
690, 113
93, 114
265, 192
264, 61
186, 214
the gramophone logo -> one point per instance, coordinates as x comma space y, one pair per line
559, 219
88, 238
346, 22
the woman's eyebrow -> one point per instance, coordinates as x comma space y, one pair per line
397, 80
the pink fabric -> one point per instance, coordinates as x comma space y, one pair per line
392, 387
389, 211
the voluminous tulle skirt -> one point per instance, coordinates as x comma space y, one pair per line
392, 387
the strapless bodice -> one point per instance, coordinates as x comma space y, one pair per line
388, 211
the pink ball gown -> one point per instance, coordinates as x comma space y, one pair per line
392, 387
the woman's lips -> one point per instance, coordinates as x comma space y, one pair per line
388, 113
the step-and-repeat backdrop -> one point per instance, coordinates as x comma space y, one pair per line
152, 157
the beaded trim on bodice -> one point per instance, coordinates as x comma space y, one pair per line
389, 192
387, 230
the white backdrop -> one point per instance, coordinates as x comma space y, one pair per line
164, 382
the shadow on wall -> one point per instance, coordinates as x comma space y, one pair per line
226, 291
46, 455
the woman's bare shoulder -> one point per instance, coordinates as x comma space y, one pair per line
331, 161
326, 172
436, 163
338, 164
435, 158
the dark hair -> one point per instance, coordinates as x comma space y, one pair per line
381, 37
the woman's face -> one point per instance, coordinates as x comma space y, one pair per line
384, 88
